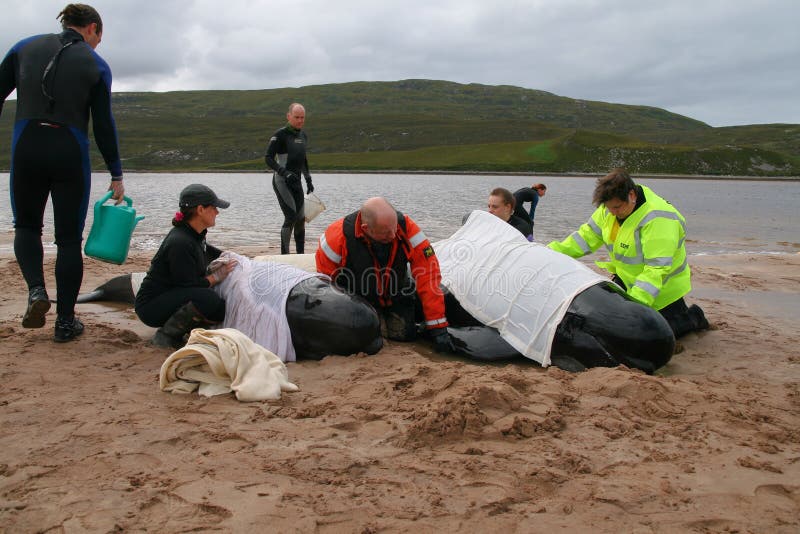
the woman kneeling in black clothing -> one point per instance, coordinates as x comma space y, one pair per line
176, 294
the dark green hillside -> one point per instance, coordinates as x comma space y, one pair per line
580, 151
778, 137
435, 125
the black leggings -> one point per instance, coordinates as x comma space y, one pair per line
156, 311
49, 160
291, 199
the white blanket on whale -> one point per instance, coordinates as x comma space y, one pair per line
255, 296
522, 289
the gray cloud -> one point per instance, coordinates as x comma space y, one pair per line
721, 62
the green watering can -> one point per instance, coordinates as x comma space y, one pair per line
112, 229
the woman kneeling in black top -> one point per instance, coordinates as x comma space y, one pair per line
176, 294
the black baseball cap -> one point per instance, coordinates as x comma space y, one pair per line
200, 195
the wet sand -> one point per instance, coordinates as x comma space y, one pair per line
408, 440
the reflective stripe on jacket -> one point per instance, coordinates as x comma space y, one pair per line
410, 246
649, 252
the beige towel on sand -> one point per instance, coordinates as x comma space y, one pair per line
225, 360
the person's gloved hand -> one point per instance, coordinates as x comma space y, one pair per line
441, 340
309, 186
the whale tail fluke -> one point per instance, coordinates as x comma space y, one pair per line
118, 289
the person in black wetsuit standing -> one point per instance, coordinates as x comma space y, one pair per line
286, 155
60, 81
530, 194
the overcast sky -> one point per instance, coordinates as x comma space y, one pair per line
724, 62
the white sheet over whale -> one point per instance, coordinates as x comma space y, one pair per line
255, 296
522, 289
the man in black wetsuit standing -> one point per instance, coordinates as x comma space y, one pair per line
59, 80
286, 155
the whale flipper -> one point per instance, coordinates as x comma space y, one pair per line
484, 343
481, 343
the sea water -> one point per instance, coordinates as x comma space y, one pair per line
723, 216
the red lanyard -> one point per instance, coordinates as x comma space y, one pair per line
383, 276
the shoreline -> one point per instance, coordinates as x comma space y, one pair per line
49, 249
650, 176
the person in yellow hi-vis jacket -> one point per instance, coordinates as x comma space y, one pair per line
644, 236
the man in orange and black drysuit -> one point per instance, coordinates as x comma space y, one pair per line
367, 253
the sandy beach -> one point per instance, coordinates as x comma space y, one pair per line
409, 440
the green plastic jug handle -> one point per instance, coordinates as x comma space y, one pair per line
108, 195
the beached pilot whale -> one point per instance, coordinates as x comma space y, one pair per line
322, 318
507, 297
601, 328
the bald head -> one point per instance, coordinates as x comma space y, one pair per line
296, 116
379, 219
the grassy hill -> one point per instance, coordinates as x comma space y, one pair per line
435, 125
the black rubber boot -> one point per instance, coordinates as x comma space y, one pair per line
177, 327
699, 318
681, 324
